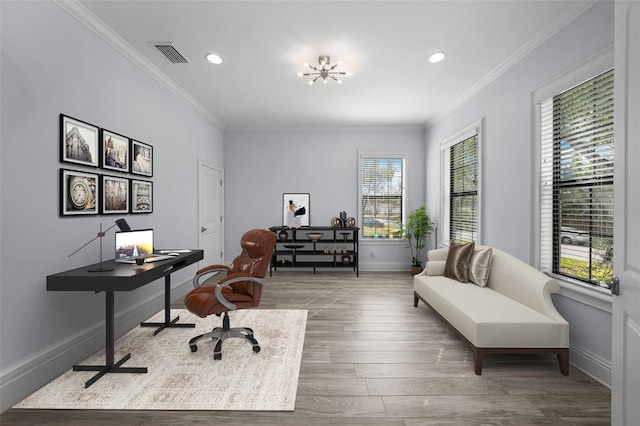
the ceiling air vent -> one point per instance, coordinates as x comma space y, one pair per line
171, 53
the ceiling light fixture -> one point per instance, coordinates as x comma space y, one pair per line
213, 58
323, 70
437, 57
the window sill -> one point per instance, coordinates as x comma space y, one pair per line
596, 297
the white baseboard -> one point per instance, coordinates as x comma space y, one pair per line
21, 381
591, 364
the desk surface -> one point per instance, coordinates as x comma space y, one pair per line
123, 277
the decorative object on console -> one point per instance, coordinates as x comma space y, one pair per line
282, 235
295, 210
335, 222
351, 222
415, 230
323, 70
315, 236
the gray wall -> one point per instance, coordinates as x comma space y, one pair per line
507, 173
51, 64
260, 167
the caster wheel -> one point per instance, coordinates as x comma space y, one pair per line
217, 356
256, 349
193, 348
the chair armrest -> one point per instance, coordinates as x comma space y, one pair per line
206, 271
231, 279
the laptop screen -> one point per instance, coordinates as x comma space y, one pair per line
131, 244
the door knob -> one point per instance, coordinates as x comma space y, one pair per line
615, 286
202, 229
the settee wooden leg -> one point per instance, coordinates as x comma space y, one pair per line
415, 300
478, 360
563, 360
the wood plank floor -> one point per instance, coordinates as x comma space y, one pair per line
371, 358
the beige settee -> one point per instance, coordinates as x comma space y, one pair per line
512, 313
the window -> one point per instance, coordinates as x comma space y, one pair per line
461, 183
382, 195
575, 137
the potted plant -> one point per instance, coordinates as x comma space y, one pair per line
415, 230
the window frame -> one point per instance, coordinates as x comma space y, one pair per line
362, 155
473, 129
581, 73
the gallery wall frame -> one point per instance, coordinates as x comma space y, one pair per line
115, 151
79, 142
115, 195
296, 209
141, 158
141, 196
79, 193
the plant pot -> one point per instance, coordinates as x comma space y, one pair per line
416, 270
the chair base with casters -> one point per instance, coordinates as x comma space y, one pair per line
225, 332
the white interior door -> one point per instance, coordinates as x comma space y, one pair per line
210, 200
625, 389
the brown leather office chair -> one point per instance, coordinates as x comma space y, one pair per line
240, 288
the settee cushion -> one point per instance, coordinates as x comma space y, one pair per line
458, 258
488, 318
480, 265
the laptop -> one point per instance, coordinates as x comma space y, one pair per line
135, 244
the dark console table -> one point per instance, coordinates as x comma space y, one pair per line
122, 277
331, 248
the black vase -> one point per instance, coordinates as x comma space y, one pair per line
283, 235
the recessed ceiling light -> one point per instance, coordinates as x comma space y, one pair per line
213, 58
437, 57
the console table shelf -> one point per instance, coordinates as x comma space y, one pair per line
299, 251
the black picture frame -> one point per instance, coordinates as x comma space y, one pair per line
79, 193
116, 151
296, 211
79, 142
115, 195
141, 158
141, 196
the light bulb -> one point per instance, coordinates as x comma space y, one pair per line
213, 58
339, 81
310, 82
299, 74
436, 57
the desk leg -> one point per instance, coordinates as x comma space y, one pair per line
168, 322
110, 366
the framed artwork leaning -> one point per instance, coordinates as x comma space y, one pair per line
295, 210
78, 193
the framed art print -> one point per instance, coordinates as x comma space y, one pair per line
115, 151
295, 210
78, 193
115, 195
142, 161
141, 196
78, 142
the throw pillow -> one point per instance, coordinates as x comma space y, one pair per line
480, 266
458, 258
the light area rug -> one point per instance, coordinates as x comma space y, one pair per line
178, 379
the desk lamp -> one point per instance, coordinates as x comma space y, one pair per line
122, 224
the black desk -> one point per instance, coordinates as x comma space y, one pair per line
123, 277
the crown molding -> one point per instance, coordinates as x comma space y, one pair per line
552, 29
102, 30
417, 128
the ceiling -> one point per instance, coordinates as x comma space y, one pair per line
385, 44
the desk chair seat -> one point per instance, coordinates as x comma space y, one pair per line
239, 288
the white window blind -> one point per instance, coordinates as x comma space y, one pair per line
576, 179
382, 185
463, 190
